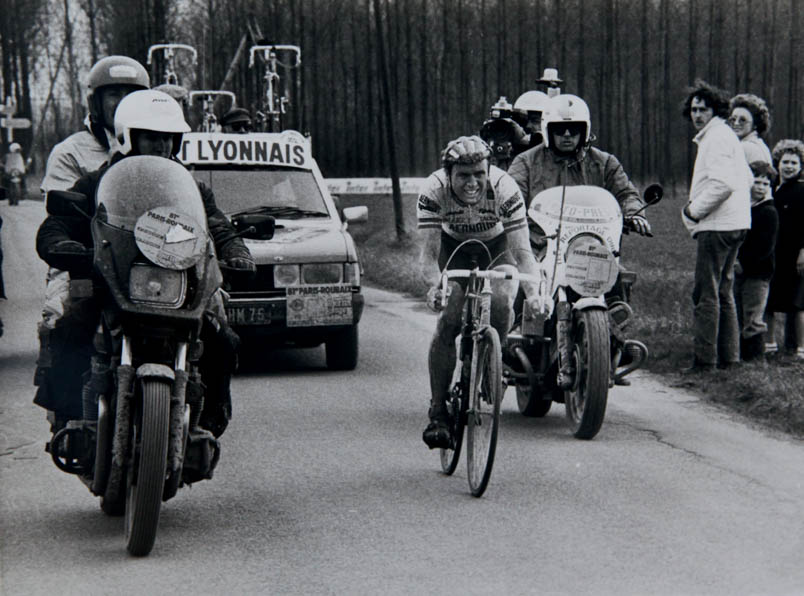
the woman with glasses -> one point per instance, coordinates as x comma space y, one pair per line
787, 285
749, 118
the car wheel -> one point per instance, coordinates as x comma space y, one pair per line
341, 349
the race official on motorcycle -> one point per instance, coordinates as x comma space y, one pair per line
147, 122
528, 109
468, 199
567, 157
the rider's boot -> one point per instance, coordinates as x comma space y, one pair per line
437, 434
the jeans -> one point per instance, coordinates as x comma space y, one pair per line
716, 332
751, 295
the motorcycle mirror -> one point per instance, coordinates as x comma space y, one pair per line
653, 194
257, 226
65, 202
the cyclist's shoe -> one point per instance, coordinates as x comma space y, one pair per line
438, 434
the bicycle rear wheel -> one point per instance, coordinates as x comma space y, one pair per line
483, 415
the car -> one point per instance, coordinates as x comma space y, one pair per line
306, 290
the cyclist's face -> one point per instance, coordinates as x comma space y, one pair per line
469, 181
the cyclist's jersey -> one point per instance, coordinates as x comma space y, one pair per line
501, 211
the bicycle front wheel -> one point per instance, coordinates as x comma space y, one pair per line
483, 415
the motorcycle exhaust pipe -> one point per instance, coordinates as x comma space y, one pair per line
639, 354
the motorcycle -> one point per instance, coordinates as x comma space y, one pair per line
153, 275
576, 347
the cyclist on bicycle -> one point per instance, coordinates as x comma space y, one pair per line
468, 200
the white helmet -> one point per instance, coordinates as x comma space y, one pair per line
14, 148
148, 110
566, 108
531, 101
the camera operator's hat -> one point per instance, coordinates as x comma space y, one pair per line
550, 77
236, 115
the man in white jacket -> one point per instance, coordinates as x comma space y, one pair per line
718, 216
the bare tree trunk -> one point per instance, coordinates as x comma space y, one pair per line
399, 219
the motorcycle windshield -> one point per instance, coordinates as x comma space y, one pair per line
586, 208
140, 184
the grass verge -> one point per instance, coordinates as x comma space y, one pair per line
770, 392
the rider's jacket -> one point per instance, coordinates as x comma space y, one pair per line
14, 162
540, 168
57, 228
502, 209
77, 155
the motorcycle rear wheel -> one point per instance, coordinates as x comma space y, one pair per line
146, 476
483, 415
586, 401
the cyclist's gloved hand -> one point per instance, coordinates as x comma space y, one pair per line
241, 263
640, 225
434, 296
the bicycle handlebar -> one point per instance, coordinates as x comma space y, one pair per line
267, 49
489, 274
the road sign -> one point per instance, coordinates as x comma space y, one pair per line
15, 123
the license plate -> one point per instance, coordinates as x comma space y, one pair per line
310, 306
250, 314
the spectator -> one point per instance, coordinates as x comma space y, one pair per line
787, 287
749, 118
237, 120
717, 215
755, 261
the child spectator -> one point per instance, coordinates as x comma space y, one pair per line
755, 263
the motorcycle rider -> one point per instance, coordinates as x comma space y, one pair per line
567, 157
147, 122
468, 199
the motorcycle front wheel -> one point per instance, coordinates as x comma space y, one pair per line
146, 476
483, 415
586, 401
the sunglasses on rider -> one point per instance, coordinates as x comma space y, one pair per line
567, 128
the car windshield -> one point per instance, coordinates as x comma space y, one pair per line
287, 193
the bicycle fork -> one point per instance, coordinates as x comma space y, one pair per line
473, 413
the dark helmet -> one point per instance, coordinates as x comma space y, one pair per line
235, 115
113, 70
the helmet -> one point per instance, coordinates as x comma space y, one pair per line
531, 101
465, 150
148, 110
113, 70
14, 148
566, 108
177, 92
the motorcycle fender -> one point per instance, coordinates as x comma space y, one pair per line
160, 371
589, 302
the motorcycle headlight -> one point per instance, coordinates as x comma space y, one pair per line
322, 273
157, 286
286, 275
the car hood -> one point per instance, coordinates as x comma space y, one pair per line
301, 244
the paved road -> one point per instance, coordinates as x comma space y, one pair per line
324, 487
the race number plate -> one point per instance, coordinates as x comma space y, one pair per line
169, 238
591, 269
310, 306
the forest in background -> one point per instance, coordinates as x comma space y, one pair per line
447, 62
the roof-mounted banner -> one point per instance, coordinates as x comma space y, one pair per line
289, 148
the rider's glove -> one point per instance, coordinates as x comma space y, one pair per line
434, 295
640, 225
68, 247
241, 263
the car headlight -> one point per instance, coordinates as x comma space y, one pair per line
286, 275
157, 286
351, 274
322, 273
